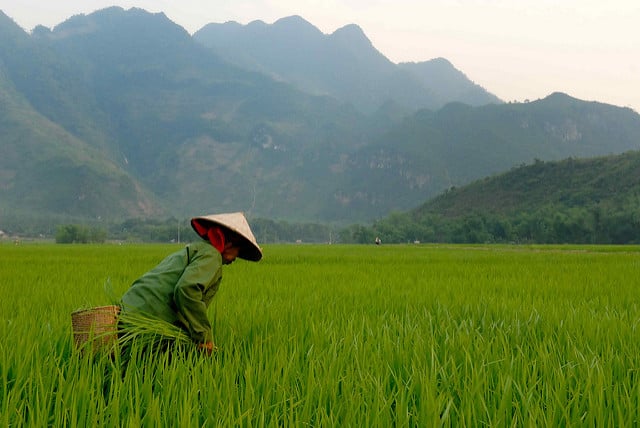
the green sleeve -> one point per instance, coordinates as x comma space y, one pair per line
194, 289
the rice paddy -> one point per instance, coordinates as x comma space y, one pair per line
398, 335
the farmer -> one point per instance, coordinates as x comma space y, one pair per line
181, 287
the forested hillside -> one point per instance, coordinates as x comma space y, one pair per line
570, 201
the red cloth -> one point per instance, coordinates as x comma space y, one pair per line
213, 234
216, 237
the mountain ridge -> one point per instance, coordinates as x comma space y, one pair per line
184, 129
343, 64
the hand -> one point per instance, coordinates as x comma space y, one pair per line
207, 347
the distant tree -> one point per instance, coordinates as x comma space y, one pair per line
79, 234
358, 234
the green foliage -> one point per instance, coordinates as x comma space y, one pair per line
79, 234
357, 234
65, 230
270, 231
266, 231
137, 330
152, 230
547, 225
391, 335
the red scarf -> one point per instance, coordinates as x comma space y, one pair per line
213, 233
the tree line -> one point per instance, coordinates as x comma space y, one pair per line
548, 225
175, 230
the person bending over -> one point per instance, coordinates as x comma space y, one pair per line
181, 287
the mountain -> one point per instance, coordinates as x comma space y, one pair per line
121, 113
44, 168
344, 65
202, 134
448, 83
430, 152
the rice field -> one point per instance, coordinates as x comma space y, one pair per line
344, 336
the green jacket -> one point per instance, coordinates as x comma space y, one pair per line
180, 289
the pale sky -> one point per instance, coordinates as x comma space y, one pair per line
516, 49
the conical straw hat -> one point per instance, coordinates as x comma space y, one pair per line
237, 223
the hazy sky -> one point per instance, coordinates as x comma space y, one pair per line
516, 49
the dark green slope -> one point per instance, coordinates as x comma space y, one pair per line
609, 181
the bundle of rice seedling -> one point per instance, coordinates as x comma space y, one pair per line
147, 332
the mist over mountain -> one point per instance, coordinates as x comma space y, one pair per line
343, 64
121, 113
448, 83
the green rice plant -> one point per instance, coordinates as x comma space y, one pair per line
402, 335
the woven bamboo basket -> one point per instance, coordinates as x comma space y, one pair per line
96, 327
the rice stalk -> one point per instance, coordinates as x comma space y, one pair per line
148, 332
109, 291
